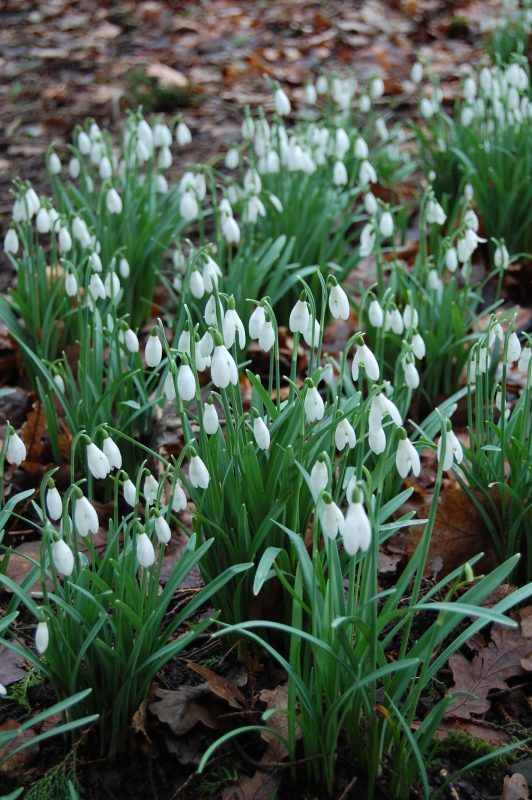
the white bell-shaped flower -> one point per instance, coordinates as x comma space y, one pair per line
42, 638
340, 176
435, 215
453, 450
169, 387
319, 477
299, 316
223, 368
131, 341
364, 358
407, 457
313, 405
183, 135
261, 433
188, 207
501, 256
111, 450
98, 462
267, 335
54, 504
85, 517
179, 498
232, 324
377, 439
96, 287
145, 551
211, 423
162, 530
16, 450
367, 240
386, 225
186, 383
153, 352
150, 489
64, 241
11, 243
344, 435
418, 346
197, 284
513, 348
71, 285
366, 173
451, 259
282, 103
356, 529
113, 202
63, 558
198, 473
376, 314
410, 372
332, 518
257, 321
338, 302
130, 492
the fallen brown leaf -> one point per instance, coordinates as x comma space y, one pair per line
220, 687
166, 75
515, 788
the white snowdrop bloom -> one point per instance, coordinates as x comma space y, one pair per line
3, 690
485, 80
113, 202
434, 281
467, 245
84, 143
145, 134
131, 341
97, 461
525, 358
367, 240
451, 259
162, 530
162, 135
382, 130
145, 551
416, 73
267, 336
261, 433
230, 230
341, 144
252, 184
361, 150
183, 135
381, 406
364, 103
183, 344
188, 207
54, 504
105, 168
513, 348
322, 84
130, 492
11, 243
340, 177
418, 346
501, 257
232, 158
396, 322
81, 232
370, 204
312, 333
42, 638
197, 284
257, 321
427, 108
111, 285
54, 219
85, 517
153, 352
65, 241
364, 358
310, 94
164, 160
313, 405
112, 451
254, 209
435, 215
74, 168
71, 284
63, 558
299, 317
377, 440
319, 477
495, 332
273, 167
231, 325
206, 344
32, 201
186, 383
96, 287
282, 103
376, 88
96, 262
411, 373
338, 302
16, 450
211, 423
248, 127
198, 473
376, 314
453, 451
169, 387
42, 221
386, 225
467, 115
211, 273
223, 368
356, 529
344, 435
469, 89
179, 498
331, 519
96, 152
407, 458
410, 316
366, 173
468, 192
150, 489
210, 314
471, 220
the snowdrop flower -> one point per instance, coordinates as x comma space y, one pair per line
153, 352
96, 262
230, 229
319, 476
418, 346
105, 168
467, 115
145, 551
211, 273
130, 492
206, 344
42, 221
123, 268
356, 528
198, 473
74, 168
282, 103
85, 517
341, 144
312, 333
267, 335
453, 449
513, 348
97, 461
410, 316
361, 150
183, 135
370, 204
84, 143
231, 325
525, 358
416, 73
376, 88
376, 314
257, 321
16, 450
501, 257
113, 202
261, 433
54, 164
467, 245
162, 530
367, 240
11, 243
313, 405
223, 367
364, 358
407, 457
65, 241
451, 259
434, 281
299, 316
169, 386
232, 158
332, 518
427, 108
80, 232
111, 284
96, 287
197, 284
150, 489
366, 173
186, 383
42, 638
471, 220
411, 373
63, 557
211, 423
310, 94
54, 505
162, 135
254, 209
386, 225
377, 439
340, 177
165, 158
112, 452
131, 341
435, 215
179, 498
188, 207
344, 435
338, 300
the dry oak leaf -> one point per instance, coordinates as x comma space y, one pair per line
515, 788
488, 670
